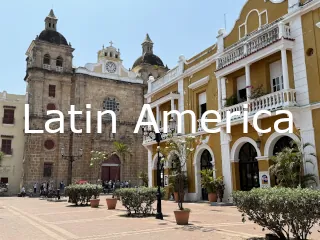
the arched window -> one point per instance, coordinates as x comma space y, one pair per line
111, 104
111, 54
46, 59
59, 62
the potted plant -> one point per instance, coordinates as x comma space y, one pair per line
182, 147
96, 190
112, 202
97, 159
174, 185
208, 182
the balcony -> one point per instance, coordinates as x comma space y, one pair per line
150, 139
59, 69
270, 102
46, 66
259, 39
166, 79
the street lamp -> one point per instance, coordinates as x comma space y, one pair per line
158, 137
71, 159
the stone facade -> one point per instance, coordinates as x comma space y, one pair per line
92, 84
11, 129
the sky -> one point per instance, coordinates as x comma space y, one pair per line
177, 27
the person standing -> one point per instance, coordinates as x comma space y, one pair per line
23, 192
35, 186
61, 186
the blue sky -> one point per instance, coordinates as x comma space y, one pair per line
175, 26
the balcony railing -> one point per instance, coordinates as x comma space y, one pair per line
270, 102
59, 69
164, 136
254, 42
170, 75
46, 66
200, 129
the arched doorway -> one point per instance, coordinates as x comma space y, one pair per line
248, 167
282, 143
205, 163
111, 169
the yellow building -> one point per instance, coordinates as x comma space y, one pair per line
269, 61
12, 140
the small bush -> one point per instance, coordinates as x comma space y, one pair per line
138, 201
284, 211
80, 194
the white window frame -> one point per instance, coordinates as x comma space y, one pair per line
275, 69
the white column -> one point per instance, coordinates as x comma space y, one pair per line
150, 165
223, 91
285, 68
181, 101
304, 122
248, 81
226, 165
307, 136
172, 104
158, 115
219, 93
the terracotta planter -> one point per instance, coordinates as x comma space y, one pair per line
94, 203
111, 202
182, 217
176, 198
212, 197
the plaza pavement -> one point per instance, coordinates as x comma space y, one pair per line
35, 219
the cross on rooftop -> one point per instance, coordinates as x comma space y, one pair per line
111, 43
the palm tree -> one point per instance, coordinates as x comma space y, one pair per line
122, 149
288, 166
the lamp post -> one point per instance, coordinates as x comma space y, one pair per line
71, 158
158, 137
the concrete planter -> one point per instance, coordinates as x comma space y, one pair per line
94, 203
182, 217
111, 203
212, 197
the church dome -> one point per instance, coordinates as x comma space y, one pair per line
148, 58
52, 36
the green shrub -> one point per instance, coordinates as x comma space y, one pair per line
284, 211
138, 201
80, 194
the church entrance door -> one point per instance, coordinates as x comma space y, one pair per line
111, 169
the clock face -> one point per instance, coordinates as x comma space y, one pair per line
111, 67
